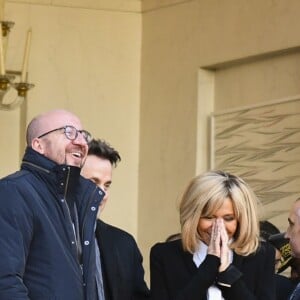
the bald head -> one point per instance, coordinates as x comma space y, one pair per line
293, 230
49, 121
297, 208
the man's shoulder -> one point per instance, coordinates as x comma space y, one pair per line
16, 181
109, 227
166, 248
15, 176
113, 231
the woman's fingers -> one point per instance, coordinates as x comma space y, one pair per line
224, 251
215, 240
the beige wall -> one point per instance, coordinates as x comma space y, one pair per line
261, 80
87, 61
178, 42
274, 78
140, 80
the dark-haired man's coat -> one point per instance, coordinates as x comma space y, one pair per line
121, 261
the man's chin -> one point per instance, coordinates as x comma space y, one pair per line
75, 162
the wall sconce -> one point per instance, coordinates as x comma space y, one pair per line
12, 93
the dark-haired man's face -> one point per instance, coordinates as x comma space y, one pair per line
98, 170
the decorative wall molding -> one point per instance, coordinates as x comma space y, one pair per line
134, 6
261, 144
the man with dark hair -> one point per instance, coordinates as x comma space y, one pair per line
102, 158
48, 214
119, 261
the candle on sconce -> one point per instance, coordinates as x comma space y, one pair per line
2, 66
2, 10
26, 56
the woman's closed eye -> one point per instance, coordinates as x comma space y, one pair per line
208, 217
229, 218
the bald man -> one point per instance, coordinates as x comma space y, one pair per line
47, 215
293, 234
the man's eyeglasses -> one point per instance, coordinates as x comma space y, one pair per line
71, 133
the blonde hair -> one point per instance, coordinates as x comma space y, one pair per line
205, 194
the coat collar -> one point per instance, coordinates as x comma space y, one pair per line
62, 178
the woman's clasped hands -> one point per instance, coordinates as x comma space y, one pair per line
218, 244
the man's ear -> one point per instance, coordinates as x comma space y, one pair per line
38, 145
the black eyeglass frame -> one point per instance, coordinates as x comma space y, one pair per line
86, 135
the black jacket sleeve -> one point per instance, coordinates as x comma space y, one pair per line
232, 280
16, 228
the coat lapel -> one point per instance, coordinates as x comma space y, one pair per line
238, 260
188, 259
108, 259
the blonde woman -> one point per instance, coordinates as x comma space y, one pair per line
219, 255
